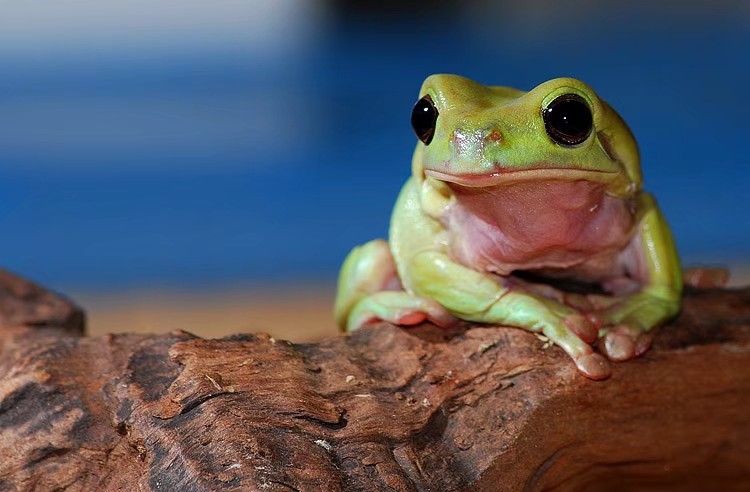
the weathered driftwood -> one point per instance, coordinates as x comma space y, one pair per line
477, 408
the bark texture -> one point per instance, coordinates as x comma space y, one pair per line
476, 408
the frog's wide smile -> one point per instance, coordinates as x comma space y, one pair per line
505, 175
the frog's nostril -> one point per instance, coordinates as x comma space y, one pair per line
495, 135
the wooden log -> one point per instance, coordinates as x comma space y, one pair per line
474, 408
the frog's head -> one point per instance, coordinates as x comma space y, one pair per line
479, 136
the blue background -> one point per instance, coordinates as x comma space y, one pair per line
161, 150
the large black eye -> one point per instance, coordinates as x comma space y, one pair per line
568, 120
423, 119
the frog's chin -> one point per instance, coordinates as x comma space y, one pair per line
501, 177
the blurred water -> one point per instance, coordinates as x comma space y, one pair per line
228, 157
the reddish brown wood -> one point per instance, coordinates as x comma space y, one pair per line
477, 408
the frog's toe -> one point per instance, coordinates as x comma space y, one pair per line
643, 342
622, 343
586, 328
618, 346
593, 366
411, 319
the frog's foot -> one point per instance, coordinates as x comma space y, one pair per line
576, 343
400, 308
623, 342
564, 326
628, 326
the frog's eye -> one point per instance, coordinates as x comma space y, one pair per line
568, 120
423, 119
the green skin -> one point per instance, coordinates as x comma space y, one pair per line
493, 194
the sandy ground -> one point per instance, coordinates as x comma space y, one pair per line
297, 315
301, 314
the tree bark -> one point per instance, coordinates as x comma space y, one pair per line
480, 408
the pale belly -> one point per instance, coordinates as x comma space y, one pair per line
552, 226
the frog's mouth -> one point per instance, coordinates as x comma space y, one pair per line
509, 176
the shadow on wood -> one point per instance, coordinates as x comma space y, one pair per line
477, 408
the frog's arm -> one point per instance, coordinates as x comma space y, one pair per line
664, 273
481, 297
630, 320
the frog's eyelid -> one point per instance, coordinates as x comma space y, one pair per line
568, 89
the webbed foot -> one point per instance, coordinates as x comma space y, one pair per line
567, 328
628, 327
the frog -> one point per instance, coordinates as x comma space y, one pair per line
523, 209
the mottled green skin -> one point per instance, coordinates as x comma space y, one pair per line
490, 144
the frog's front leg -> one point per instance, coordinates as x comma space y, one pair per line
369, 289
628, 324
476, 296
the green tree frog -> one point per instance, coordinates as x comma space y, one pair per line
523, 209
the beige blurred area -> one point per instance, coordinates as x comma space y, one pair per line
300, 313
